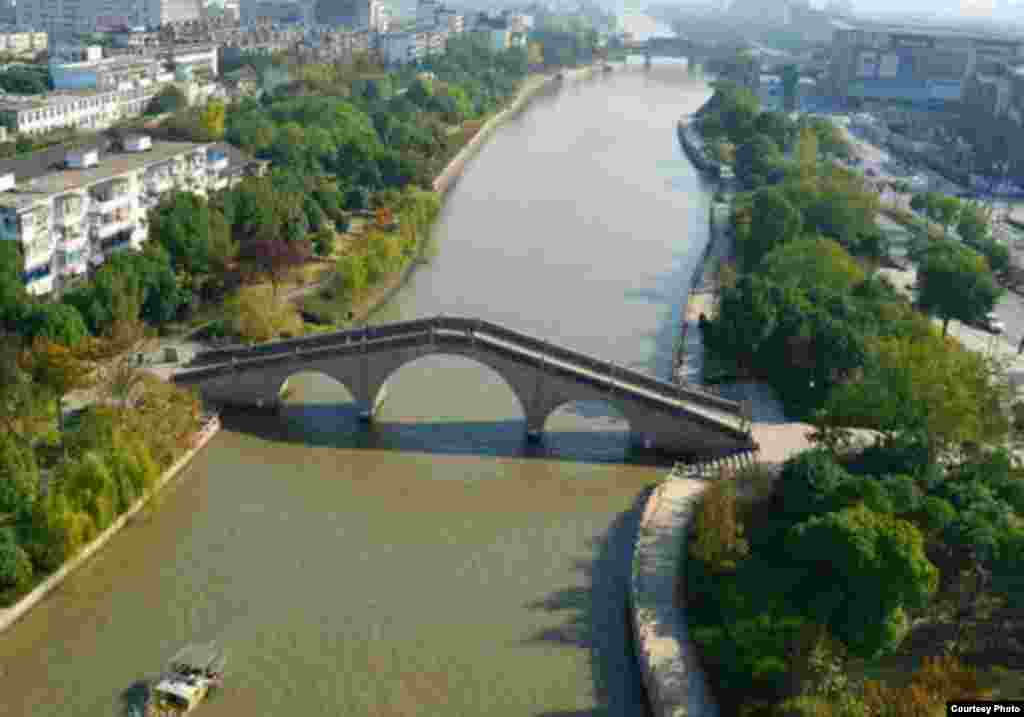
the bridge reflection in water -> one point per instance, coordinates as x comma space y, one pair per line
544, 376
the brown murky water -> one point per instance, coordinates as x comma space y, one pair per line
434, 563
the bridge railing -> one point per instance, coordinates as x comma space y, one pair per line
370, 333
620, 373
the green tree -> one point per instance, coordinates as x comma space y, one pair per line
19, 478
15, 566
169, 99
774, 222
181, 224
956, 283
924, 386
777, 126
61, 323
756, 159
816, 262
973, 226
862, 571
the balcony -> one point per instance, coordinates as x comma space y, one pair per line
109, 202
158, 185
73, 263
109, 229
117, 241
72, 240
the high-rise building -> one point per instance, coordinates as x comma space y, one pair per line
67, 17
355, 14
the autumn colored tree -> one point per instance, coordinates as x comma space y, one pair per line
212, 118
58, 369
274, 258
259, 315
938, 681
718, 539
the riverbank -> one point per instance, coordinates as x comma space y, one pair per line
10, 615
675, 683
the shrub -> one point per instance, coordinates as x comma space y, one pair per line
718, 534
15, 566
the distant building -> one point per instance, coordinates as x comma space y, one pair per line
71, 209
23, 43
353, 14
94, 72
912, 64
65, 18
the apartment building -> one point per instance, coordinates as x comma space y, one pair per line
71, 209
23, 44
82, 109
95, 72
400, 48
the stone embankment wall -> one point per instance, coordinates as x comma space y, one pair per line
8, 616
447, 178
675, 683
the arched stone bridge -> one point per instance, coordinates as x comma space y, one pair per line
543, 376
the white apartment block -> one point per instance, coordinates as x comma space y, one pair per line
70, 218
84, 109
23, 43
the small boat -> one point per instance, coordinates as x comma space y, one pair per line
194, 672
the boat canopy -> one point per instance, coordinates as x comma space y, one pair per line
205, 658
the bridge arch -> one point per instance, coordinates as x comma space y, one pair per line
287, 388
602, 410
379, 390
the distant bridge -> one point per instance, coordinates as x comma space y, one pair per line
542, 375
695, 52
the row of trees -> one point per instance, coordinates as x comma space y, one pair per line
834, 562
61, 485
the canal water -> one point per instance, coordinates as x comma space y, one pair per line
434, 563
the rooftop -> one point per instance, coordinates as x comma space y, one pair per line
929, 31
42, 174
109, 63
18, 103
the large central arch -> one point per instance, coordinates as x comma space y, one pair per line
382, 391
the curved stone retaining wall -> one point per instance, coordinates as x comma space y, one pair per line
676, 686
8, 616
